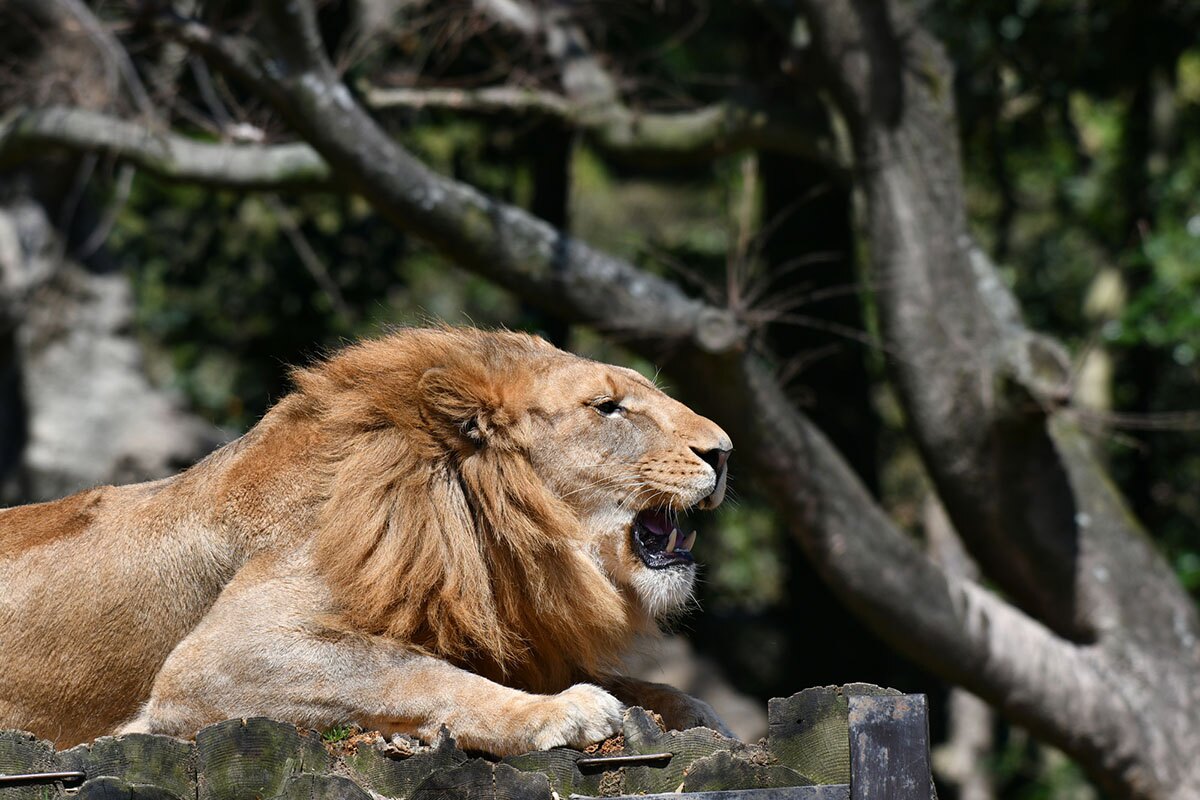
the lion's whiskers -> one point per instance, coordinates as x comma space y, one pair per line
617, 482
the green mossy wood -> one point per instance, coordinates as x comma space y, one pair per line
809, 731
823, 743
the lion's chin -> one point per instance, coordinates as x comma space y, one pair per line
664, 592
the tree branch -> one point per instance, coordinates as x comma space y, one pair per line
495, 239
487, 100
592, 103
985, 396
166, 155
695, 135
584, 79
976, 383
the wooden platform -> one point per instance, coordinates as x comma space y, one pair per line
854, 742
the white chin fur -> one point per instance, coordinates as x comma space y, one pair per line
664, 591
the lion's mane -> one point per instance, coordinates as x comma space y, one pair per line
436, 531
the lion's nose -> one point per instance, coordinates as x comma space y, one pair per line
715, 458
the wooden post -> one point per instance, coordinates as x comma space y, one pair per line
889, 748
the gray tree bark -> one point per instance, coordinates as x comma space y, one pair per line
76, 406
986, 400
78, 391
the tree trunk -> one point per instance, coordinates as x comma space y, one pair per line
78, 407
986, 400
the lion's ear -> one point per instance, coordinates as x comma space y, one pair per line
462, 403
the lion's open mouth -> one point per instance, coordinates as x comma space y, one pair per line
658, 542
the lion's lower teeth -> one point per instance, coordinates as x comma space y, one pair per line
671, 540
688, 542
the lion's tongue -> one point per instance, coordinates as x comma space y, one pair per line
656, 522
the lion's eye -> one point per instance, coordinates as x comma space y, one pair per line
609, 408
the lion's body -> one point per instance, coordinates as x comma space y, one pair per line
395, 544
98, 588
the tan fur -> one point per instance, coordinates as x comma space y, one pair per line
433, 528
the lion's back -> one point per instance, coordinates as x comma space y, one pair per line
90, 607
25, 527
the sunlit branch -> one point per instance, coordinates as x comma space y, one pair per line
166, 155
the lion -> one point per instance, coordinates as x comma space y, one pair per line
437, 527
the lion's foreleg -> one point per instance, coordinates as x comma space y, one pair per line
679, 710
266, 652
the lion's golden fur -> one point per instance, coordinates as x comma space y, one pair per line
445, 552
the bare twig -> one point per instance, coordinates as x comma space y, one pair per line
739, 123
114, 54
99, 234
308, 257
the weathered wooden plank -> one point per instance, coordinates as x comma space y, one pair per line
559, 767
471, 780
311, 786
724, 770
809, 731
642, 735
392, 775
22, 753
108, 787
889, 748
824, 792
138, 760
237, 759
512, 784
873, 738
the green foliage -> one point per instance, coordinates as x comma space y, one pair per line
338, 734
747, 565
227, 304
1027, 771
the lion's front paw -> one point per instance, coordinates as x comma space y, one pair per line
577, 717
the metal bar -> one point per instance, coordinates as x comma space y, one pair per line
612, 762
828, 791
39, 778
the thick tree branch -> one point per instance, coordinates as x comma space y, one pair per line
486, 100
695, 135
166, 155
495, 239
984, 397
976, 382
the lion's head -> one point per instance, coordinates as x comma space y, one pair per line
505, 504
